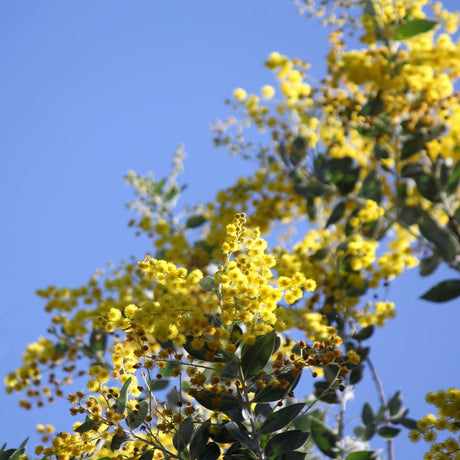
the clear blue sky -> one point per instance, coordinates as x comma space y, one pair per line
90, 90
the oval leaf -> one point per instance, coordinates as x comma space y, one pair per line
371, 187
120, 404
195, 221
395, 403
239, 433
84, 427
364, 333
200, 439
336, 214
207, 283
414, 27
367, 414
255, 357
285, 442
363, 455
441, 240
269, 394
280, 419
429, 264
118, 440
388, 432
227, 404
183, 434
136, 418
210, 452
324, 438
443, 291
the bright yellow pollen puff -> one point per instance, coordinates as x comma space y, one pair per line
240, 94
130, 310
268, 92
100, 373
353, 357
114, 314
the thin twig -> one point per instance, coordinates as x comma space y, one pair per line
383, 402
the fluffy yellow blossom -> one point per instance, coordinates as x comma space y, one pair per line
240, 94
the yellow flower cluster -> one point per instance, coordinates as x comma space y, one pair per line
249, 292
376, 314
448, 419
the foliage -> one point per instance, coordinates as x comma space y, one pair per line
196, 352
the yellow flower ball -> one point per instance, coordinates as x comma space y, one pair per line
240, 94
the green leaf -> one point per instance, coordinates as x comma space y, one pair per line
158, 385
200, 439
363, 455
255, 357
395, 403
412, 146
410, 214
195, 221
269, 394
359, 431
444, 244
136, 418
337, 213
371, 187
324, 438
235, 452
281, 418
456, 215
205, 353
86, 426
311, 209
412, 170
414, 27
183, 434
120, 403
381, 152
429, 264
285, 442
283, 154
210, 452
364, 333
374, 105
308, 190
341, 172
428, 187
388, 432
367, 414
147, 455
98, 340
443, 291
417, 141
118, 440
227, 404
298, 150
295, 455
239, 433
454, 178
207, 283
171, 194
409, 423
356, 374
381, 413
159, 186
369, 432
13, 454
325, 393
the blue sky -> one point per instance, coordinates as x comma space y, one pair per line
90, 90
